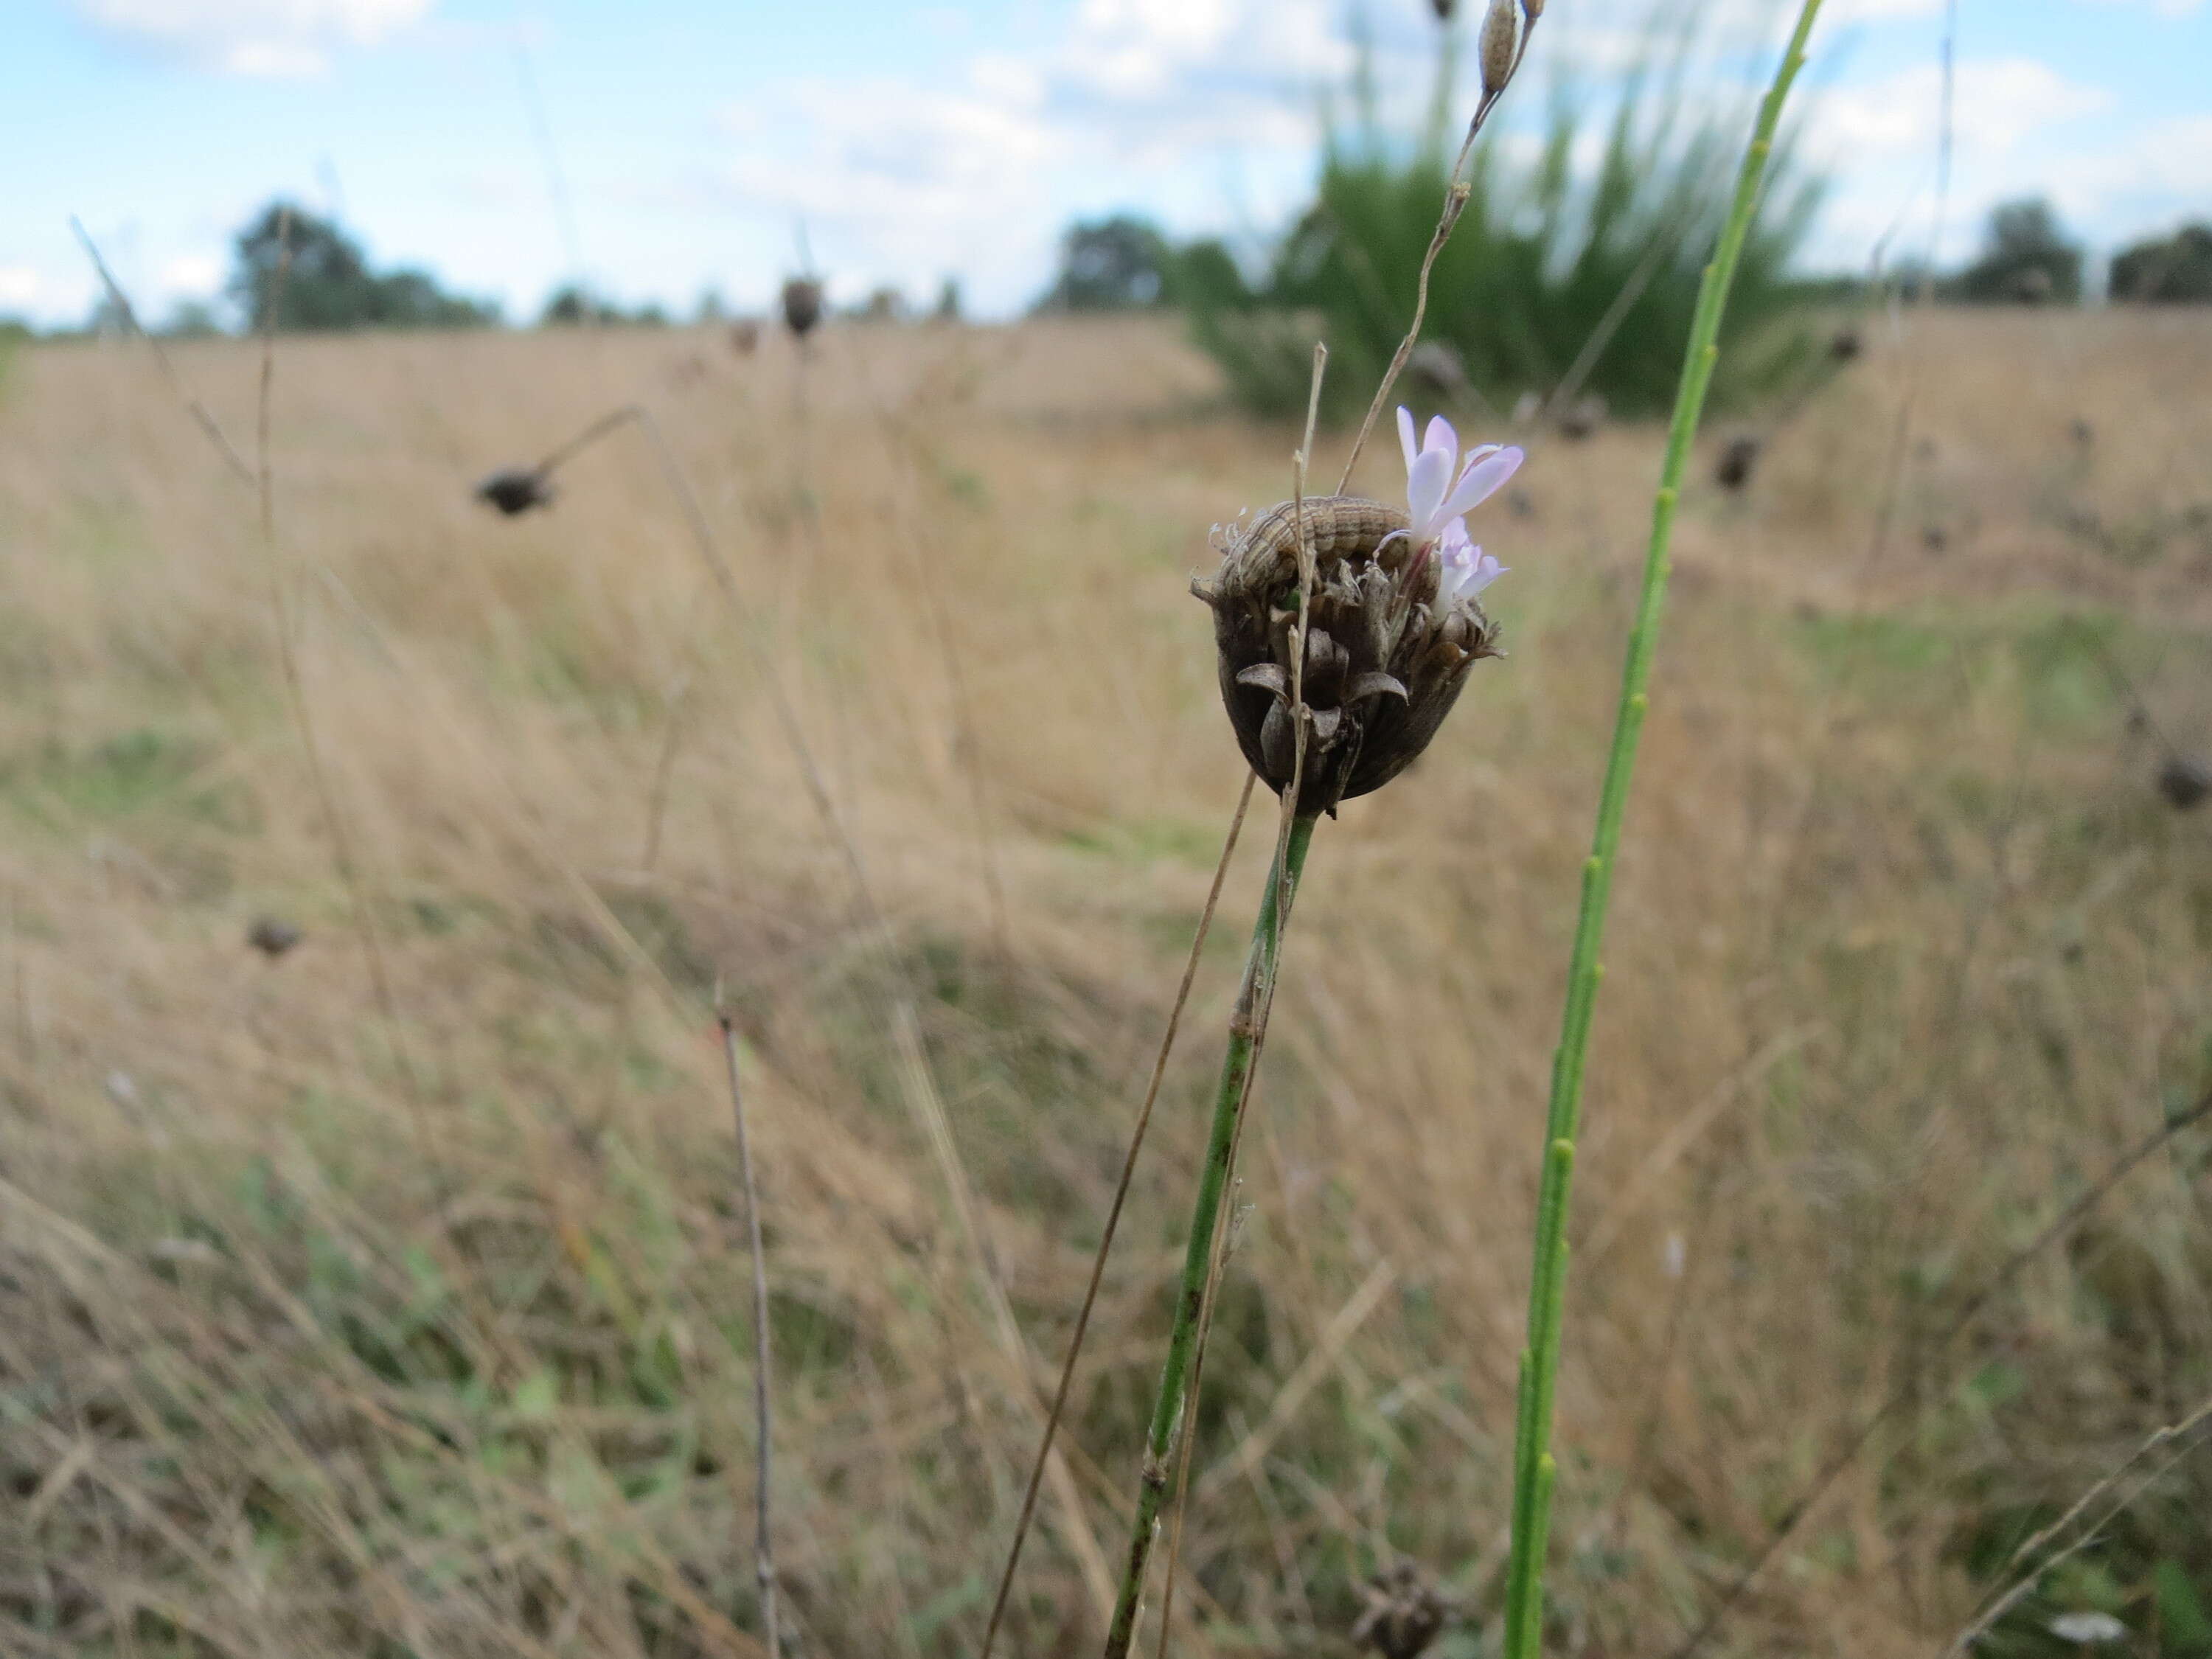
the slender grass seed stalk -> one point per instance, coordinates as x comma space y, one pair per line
1533, 1468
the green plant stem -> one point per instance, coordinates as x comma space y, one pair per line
1533, 1468
1247, 1030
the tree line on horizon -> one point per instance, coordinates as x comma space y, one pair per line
1118, 262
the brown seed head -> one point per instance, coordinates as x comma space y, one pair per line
1733, 469
802, 305
272, 935
514, 489
1381, 668
1501, 33
1581, 418
1404, 1614
2184, 781
1532, 9
1444, 9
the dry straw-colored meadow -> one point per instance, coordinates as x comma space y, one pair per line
335, 1321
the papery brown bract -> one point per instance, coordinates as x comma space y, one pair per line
1381, 670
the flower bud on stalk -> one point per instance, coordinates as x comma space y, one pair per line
1501, 33
1392, 624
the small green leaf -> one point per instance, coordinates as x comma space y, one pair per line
536, 1396
2187, 1627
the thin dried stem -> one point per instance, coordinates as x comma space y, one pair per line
1216, 1253
663, 766
967, 741
2011, 1598
1114, 1216
764, 1417
1455, 199
206, 423
1247, 1036
295, 696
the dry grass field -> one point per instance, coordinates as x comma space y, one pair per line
387, 1296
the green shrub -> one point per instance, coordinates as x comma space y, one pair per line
1540, 255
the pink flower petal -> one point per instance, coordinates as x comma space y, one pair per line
1405, 435
1425, 482
1481, 480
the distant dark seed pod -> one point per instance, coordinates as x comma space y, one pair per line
1581, 418
1733, 469
1935, 538
1444, 9
273, 936
1381, 669
1845, 345
744, 338
2082, 432
515, 489
2184, 781
802, 305
1404, 1615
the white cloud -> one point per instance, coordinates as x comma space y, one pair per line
191, 276
1997, 104
20, 287
269, 38
2163, 8
1136, 100
2167, 159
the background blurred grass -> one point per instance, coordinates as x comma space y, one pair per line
320, 1333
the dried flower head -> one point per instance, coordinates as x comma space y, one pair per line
1394, 622
1581, 418
1737, 460
2184, 781
1846, 344
1442, 8
272, 935
515, 489
802, 305
1404, 1614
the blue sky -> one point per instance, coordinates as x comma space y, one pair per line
926, 140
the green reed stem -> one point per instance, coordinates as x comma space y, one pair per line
1247, 1029
1533, 1468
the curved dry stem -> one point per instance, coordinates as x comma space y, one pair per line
1455, 199
763, 1411
1114, 1221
